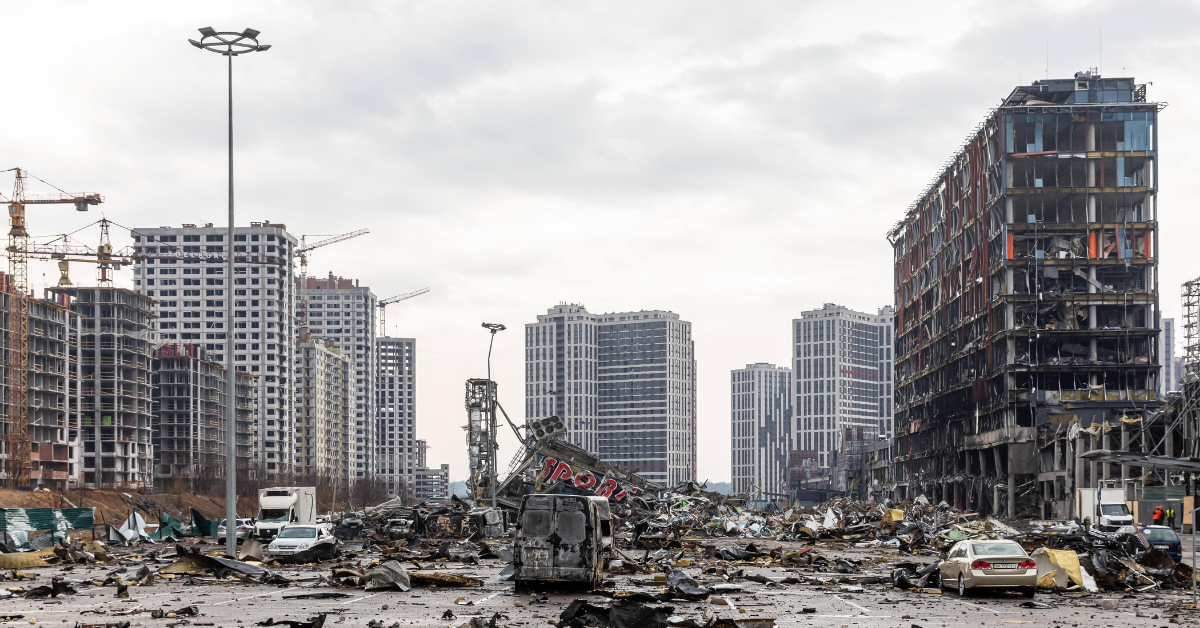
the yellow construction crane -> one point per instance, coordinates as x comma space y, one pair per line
302, 251
396, 299
64, 251
17, 439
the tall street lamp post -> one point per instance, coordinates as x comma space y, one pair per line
230, 45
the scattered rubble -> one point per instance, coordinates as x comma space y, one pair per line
679, 557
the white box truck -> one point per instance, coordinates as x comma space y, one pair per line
1105, 506
281, 505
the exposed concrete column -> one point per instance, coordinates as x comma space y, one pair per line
1079, 481
1011, 509
997, 464
1092, 469
1124, 447
1104, 444
1169, 443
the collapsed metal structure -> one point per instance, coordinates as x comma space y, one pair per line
1027, 313
544, 464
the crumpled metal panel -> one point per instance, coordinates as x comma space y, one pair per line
19, 522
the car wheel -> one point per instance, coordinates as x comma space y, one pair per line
962, 586
1029, 591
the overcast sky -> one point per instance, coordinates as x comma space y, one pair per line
734, 162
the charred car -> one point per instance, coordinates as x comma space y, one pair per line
562, 539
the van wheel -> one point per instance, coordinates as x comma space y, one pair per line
962, 586
1029, 591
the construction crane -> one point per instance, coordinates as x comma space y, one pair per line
166, 251
17, 439
396, 299
64, 251
303, 251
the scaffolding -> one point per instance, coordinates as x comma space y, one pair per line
1191, 327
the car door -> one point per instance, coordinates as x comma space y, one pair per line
949, 568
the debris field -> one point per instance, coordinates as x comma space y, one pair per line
684, 557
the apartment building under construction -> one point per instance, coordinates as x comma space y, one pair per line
52, 398
325, 443
114, 385
190, 423
1026, 290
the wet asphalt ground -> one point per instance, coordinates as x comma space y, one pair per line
229, 603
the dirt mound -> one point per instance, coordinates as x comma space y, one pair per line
114, 506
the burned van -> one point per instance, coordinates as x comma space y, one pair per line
563, 539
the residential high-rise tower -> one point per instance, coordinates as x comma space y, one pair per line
342, 311
761, 430
183, 270
843, 367
396, 457
623, 384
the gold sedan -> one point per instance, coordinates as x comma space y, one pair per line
988, 564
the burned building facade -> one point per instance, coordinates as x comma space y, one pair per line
1026, 291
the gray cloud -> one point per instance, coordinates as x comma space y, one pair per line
733, 162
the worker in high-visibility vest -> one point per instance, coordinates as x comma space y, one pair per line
1157, 517
1171, 518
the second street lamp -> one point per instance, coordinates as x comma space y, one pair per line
230, 44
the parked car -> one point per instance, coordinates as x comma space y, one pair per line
349, 528
988, 564
1165, 539
297, 538
244, 527
397, 528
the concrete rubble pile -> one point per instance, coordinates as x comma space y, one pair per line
670, 549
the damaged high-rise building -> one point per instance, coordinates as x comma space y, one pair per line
1026, 290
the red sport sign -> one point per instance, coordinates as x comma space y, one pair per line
555, 471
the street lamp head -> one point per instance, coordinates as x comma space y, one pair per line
494, 327
228, 43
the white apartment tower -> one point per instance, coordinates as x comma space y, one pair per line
324, 441
396, 457
1172, 363
346, 313
623, 384
843, 366
183, 270
761, 429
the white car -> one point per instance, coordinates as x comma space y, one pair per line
297, 538
244, 526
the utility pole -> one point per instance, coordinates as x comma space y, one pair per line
230, 45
